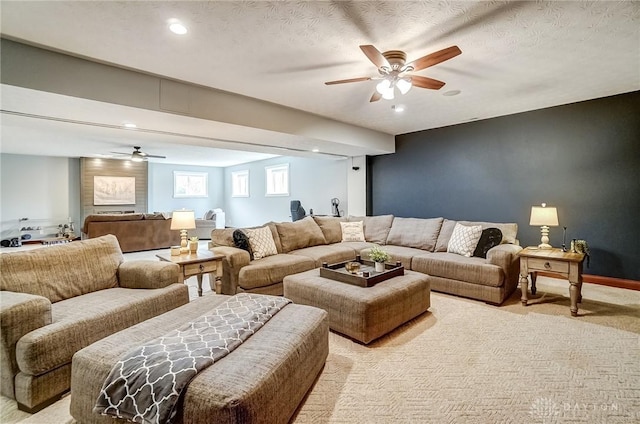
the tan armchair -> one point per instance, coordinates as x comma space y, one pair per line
57, 300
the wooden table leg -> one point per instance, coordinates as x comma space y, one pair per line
524, 287
534, 276
199, 277
573, 294
575, 290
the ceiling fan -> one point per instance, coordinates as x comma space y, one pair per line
138, 156
395, 73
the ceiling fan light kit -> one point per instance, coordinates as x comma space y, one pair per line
394, 73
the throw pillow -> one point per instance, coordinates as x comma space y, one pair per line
261, 242
464, 240
241, 241
299, 234
491, 237
209, 215
352, 231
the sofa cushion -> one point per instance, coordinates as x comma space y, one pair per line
330, 226
272, 269
65, 271
329, 253
491, 237
155, 215
222, 237
509, 229
415, 232
457, 267
352, 231
241, 241
261, 242
445, 234
464, 239
302, 233
398, 253
79, 321
376, 228
209, 215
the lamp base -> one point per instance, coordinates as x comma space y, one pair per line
544, 240
184, 246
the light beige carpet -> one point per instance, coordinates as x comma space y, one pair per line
468, 362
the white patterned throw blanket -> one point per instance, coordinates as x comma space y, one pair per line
145, 384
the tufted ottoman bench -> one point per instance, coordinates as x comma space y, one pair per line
362, 313
262, 381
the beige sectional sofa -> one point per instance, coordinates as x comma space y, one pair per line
420, 244
57, 300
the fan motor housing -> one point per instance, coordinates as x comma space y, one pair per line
396, 58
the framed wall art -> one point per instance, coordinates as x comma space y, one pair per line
114, 190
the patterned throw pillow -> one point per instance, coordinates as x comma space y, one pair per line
464, 239
352, 231
261, 242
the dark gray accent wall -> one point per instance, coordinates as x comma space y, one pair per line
583, 158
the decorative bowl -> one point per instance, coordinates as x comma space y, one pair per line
352, 267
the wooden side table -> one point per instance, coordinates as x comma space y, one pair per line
566, 264
199, 263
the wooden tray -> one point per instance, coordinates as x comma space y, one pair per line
338, 272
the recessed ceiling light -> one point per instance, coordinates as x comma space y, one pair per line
315, 150
177, 27
129, 125
398, 108
451, 93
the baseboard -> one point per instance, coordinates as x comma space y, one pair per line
620, 283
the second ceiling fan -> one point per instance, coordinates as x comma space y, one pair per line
395, 73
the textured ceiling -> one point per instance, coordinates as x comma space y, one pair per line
516, 56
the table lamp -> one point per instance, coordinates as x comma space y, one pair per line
544, 217
183, 220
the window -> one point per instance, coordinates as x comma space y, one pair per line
277, 180
190, 184
240, 183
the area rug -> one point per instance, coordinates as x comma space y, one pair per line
467, 362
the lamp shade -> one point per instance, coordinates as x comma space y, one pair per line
542, 215
183, 220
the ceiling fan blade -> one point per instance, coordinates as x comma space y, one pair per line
426, 82
435, 58
375, 56
121, 153
348, 80
153, 156
376, 96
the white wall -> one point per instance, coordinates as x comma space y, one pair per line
312, 181
161, 189
41, 188
357, 186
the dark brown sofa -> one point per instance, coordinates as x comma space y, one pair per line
134, 231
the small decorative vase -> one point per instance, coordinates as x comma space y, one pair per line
379, 266
193, 246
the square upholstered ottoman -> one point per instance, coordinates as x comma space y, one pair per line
362, 313
262, 381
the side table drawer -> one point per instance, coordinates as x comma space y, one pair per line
548, 265
200, 268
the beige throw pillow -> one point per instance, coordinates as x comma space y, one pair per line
261, 242
352, 231
464, 239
